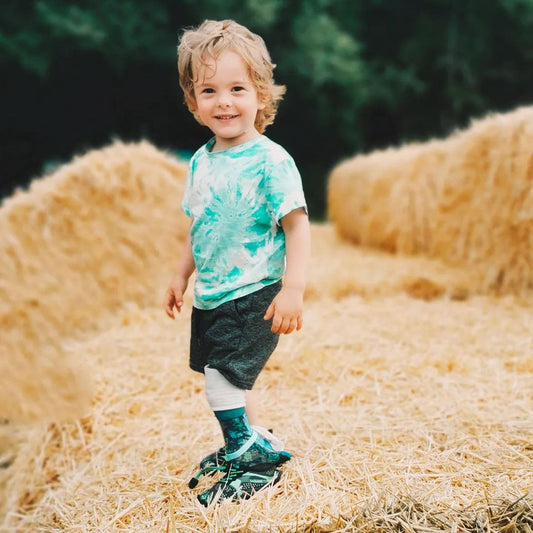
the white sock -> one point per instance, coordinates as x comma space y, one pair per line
221, 394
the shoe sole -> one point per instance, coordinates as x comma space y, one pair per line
244, 495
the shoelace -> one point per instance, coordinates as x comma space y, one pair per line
217, 458
208, 470
232, 473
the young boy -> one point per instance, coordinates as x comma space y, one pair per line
249, 243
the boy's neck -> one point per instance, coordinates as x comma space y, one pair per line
224, 144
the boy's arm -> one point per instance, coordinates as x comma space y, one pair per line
178, 285
287, 307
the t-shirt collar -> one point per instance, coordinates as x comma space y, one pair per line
233, 149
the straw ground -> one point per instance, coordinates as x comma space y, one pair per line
403, 414
406, 399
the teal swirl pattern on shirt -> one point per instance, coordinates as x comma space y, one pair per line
236, 199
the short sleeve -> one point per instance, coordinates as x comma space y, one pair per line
283, 186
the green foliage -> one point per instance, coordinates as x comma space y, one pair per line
360, 74
371, 53
325, 65
122, 31
259, 15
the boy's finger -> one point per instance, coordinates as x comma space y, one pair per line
169, 299
269, 312
293, 326
284, 326
276, 324
289, 328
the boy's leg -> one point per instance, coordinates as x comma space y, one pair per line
251, 463
237, 341
221, 393
246, 445
250, 459
252, 407
228, 403
212, 462
216, 459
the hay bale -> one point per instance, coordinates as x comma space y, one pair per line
74, 247
467, 199
373, 273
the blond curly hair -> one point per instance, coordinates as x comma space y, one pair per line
212, 38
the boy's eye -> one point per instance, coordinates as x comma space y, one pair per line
207, 90
238, 88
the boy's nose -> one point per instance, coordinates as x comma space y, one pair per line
224, 100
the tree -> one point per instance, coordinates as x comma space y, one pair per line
360, 75
123, 30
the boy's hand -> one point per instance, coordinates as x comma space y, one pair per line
174, 296
286, 311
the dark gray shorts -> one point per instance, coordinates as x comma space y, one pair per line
234, 338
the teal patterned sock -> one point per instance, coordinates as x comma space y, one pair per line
235, 428
245, 445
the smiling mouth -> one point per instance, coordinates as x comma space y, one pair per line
225, 117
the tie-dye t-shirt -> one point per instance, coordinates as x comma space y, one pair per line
236, 199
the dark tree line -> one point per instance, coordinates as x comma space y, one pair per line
360, 74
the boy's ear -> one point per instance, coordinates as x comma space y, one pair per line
262, 103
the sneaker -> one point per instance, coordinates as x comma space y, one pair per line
217, 458
253, 469
212, 463
257, 454
239, 484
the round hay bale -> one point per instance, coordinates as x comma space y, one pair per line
98, 232
467, 199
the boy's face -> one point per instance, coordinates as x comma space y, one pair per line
226, 100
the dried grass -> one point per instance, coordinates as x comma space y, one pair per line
406, 407
402, 414
74, 247
467, 199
